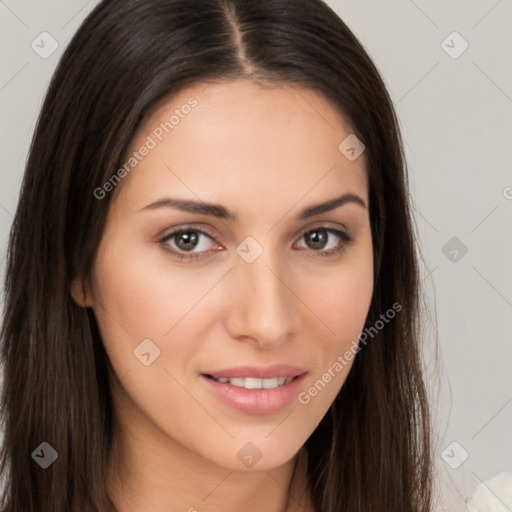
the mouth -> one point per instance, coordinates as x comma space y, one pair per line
254, 390
253, 382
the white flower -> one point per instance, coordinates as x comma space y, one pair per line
494, 495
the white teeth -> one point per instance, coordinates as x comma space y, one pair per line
237, 382
270, 383
255, 383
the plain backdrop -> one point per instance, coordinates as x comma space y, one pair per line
447, 67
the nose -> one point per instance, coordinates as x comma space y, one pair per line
262, 304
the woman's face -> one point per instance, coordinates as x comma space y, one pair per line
261, 287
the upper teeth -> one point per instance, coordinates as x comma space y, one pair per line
254, 383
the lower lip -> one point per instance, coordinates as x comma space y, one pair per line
256, 401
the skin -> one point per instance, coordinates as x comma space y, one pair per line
265, 153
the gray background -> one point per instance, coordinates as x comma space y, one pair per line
455, 114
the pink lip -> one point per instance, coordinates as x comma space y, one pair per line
256, 401
259, 372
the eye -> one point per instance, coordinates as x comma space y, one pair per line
188, 242
322, 240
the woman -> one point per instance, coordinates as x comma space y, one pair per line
212, 287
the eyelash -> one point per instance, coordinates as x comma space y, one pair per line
346, 239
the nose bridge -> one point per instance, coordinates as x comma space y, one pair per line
262, 305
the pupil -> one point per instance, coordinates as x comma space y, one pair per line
190, 239
317, 239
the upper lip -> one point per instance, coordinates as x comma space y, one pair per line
259, 372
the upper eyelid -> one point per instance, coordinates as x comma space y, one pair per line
179, 230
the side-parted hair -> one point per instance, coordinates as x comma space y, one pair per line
371, 451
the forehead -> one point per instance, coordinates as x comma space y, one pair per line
239, 140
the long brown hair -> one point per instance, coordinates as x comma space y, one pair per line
371, 451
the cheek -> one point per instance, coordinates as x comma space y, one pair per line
342, 305
346, 300
344, 294
341, 300
139, 295
144, 293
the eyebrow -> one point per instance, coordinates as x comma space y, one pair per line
220, 212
